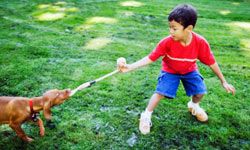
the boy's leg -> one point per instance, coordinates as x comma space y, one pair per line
166, 87
196, 110
195, 87
197, 98
154, 100
145, 119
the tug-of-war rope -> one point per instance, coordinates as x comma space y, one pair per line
120, 61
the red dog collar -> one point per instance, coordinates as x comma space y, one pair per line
33, 115
31, 106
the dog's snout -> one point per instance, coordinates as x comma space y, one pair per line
68, 91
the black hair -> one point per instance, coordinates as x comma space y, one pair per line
184, 14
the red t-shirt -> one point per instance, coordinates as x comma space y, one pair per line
179, 59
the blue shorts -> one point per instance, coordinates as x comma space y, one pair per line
168, 84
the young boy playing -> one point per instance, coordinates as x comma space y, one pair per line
180, 51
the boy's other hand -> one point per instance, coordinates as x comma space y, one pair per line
228, 87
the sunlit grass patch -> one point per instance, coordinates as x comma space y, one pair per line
50, 16
43, 6
54, 11
91, 22
239, 28
224, 12
243, 25
61, 3
131, 4
236, 3
245, 43
97, 43
106, 20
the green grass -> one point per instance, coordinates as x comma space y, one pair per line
37, 54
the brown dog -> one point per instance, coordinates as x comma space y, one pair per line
16, 110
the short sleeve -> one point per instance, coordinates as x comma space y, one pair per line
160, 50
205, 54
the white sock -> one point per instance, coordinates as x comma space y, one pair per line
195, 104
148, 113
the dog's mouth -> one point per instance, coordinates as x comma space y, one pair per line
66, 93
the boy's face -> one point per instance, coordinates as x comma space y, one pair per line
177, 31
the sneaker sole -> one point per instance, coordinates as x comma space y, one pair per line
142, 130
197, 118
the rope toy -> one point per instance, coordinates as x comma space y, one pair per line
120, 62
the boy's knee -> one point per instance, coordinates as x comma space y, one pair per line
158, 96
197, 98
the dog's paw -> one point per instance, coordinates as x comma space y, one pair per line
42, 132
27, 139
50, 124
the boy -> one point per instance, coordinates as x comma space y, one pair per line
180, 51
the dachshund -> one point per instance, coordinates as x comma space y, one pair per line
16, 110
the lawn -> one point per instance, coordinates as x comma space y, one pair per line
62, 44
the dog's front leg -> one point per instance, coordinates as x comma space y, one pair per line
47, 111
41, 127
47, 115
20, 133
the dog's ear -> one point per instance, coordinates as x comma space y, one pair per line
51, 94
48, 97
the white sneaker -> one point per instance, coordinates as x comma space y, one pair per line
197, 111
145, 123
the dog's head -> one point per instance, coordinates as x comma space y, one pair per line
52, 98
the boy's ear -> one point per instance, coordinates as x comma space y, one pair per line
190, 27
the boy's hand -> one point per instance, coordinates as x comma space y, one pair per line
122, 66
228, 87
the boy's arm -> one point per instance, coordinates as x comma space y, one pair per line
228, 87
140, 63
